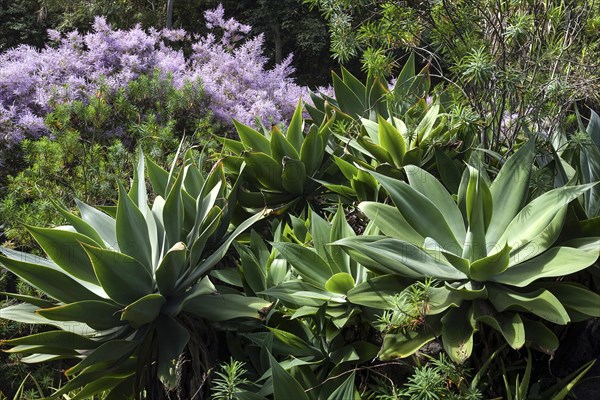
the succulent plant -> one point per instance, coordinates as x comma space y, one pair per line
127, 292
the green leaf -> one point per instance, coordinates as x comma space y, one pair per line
574, 297
533, 219
458, 327
378, 292
430, 187
264, 169
132, 231
401, 345
172, 340
144, 310
252, 140
540, 302
357, 87
340, 283
280, 147
539, 336
63, 247
225, 307
488, 267
293, 176
391, 140
558, 261
449, 172
171, 268
80, 225
137, 192
57, 339
508, 324
109, 352
101, 223
391, 222
123, 278
99, 315
173, 213
422, 214
405, 78
513, 178
349, 101
346, 391
295, 131
306, 262
285, 387
50, 281
158, 178
301, 294
479, 211
312, 151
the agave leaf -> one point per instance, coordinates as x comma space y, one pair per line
349, 101
513, 178
175, 305
338, 260
99, 315
123, 278
137, 192
284, 385
252, 139
478, 204
51, 281
378, 292
101, 223
172, 340
173, 213
171, 268
425, 126
281, 147
539, 336
449, 172
295, 131
574, 297
26, 314
357, 87
79, 224
558, 261
64, 249
535, 217
312, 151
158, 178
540, 302
400, 345
33, 300
264, 169
144, 310
100, 386
458, 327
109, 352
420, 212
225, 307
508, 324
488, 267
430, 187
132, 231
567, 384
400, 257
340, 283
320, 230
57, 339
306, 261
391, 222
392, 141
285, 342
301, 294
293, 176
346, 391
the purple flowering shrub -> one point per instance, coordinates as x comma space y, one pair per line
231, 69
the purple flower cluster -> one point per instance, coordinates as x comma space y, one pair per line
232, 70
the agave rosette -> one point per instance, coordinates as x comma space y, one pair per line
121, 288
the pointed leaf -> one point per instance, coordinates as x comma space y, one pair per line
132, 231
144, 310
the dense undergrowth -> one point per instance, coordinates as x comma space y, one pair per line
190, 227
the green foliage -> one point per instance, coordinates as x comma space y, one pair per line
490, 259
132, 289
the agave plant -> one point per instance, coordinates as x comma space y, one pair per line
128, 293
490, 252
280, 168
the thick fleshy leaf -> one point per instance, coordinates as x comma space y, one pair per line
558, 261
132, 231
426, 124
173, 213
26, 314
108, 352
295, 131
513, 178
225, 307
50, 281
340, 283
79, 224
171, 268
539, 336
458, 327
252, 140
158, 178
391, 140
144, 310
378, 292
101, 223
419, 211
306, 262
449, 172
478, 205
172, 339
58, 339
540, 302
538, 214
508, 324
391, 222
284, 385
281, 147
264, 169
349, 101
63, 247
401, 257
488, 267
338, 260
302, 294
36, 301
431, 188
123, 278
346, 391
400, 345
138, 193
99, 315
293, 176
574, 297
312, 151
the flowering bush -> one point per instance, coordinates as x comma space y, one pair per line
74, 66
